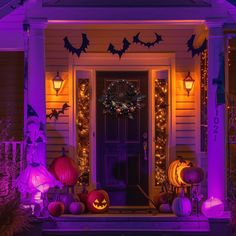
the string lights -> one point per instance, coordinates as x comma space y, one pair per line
204, 78
161, 132
122, 98
83, 130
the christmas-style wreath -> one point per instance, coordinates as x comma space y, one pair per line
122, 98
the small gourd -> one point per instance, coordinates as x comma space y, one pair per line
165, 208
77, 208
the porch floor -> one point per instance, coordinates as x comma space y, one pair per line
127, 224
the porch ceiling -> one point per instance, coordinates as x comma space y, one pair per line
126, 3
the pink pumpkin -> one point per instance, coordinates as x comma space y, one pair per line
56, 208
65, 169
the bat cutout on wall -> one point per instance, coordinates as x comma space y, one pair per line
120, 52
55, 113
196, 50
147, 44
77, 51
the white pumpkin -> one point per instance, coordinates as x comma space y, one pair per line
181, 205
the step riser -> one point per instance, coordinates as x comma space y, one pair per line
146, 226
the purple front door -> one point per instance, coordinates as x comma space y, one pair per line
122, 162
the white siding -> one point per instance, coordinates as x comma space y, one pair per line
174, 40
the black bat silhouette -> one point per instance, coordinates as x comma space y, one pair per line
147, 44
56, 113
120, 52
196, 50
77, 51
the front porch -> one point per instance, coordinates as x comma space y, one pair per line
116, 151
138, 223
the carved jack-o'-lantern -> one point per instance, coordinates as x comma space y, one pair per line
174, 171
98, 201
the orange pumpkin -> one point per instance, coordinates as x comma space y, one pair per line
65, 169
174, 171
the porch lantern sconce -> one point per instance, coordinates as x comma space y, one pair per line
188, 83
57, 83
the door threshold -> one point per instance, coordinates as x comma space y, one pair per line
131, 210
131, 207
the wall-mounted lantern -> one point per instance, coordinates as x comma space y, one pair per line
57, 83
188, 83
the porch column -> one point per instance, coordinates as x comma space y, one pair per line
216, 113
36, 78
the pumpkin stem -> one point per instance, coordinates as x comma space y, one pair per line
182, 192
190, 164
181, 159
67, 190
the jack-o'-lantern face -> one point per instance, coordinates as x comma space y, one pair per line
98, 201
100, 205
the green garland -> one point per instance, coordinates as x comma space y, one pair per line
122, 98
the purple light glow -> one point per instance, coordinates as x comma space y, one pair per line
36, 178
213, 207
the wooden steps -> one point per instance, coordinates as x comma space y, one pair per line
126, 225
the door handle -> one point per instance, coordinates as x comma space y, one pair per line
145, 149
145, 145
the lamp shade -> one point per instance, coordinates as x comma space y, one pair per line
36, 178
188, 83
57, 83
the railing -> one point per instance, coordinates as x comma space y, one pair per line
12, 163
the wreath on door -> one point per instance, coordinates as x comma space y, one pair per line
122, 98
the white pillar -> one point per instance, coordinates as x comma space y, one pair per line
216, 115
36, 78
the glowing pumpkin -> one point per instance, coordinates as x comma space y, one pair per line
192, 175
56, 208
181, 205
65, 169
98, 201
174, 171
213, 207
